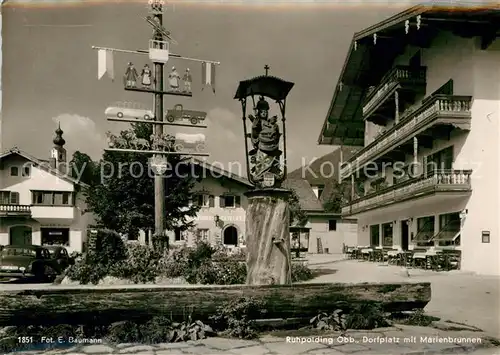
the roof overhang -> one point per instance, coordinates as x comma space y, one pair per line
369, 58
42, 164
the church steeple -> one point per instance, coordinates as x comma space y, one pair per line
58, 153
59, 140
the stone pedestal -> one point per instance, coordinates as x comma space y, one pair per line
268, 237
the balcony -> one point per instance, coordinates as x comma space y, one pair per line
441, 181
12, 210
435, 111
409, 82
53, 214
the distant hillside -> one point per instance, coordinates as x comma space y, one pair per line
329, 164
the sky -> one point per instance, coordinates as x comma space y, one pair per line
49, 72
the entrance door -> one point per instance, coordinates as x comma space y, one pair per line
20, 235
231, 236
405, 235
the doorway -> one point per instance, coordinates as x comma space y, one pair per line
405, 235
231, 236
20, 235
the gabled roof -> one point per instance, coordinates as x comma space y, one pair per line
307, 198
221, 172
369, 58
42, 164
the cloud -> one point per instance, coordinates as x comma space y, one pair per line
223, 125
81, 133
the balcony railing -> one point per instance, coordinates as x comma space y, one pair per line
399, 75
439, 180
15, 210
442, 108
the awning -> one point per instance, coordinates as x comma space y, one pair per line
426, 233
446, 236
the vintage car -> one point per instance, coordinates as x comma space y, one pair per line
60, 255
27, 262
178, 113
193, 142
129, 110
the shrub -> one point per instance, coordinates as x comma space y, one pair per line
87, 272
361, 316
109, 248
207, 273
232, 273
171, 269
140, 266
237, 317
301, 272
199, 254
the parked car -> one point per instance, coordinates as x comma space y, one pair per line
129, 111
27, 262
60, 255
178, 113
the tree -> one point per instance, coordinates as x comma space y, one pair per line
339, 196
123, 199
298, 216
84, 169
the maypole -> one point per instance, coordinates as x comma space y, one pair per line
152, 82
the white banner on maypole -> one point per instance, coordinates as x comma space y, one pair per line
105, 64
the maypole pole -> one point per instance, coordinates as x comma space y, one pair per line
159, 162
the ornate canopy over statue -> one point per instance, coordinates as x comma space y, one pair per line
266, 158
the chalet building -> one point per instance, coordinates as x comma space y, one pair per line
40, 203
420, 92
221, 218
326, 231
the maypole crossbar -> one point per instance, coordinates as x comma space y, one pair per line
142, 51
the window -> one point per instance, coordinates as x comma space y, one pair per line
442, 160
51, 198
229, 201
425, 231
204, 200
178, 235
319, 190
387, 234
203, 234
374, 235
14, 171
26, 171
55, 236
9, 198
449, 229
332, 225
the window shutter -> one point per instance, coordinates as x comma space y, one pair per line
222, 201
211, 201
237, 201
14, 198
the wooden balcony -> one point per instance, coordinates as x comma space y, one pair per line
11, 210
439, 110
409, 82
448, 181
